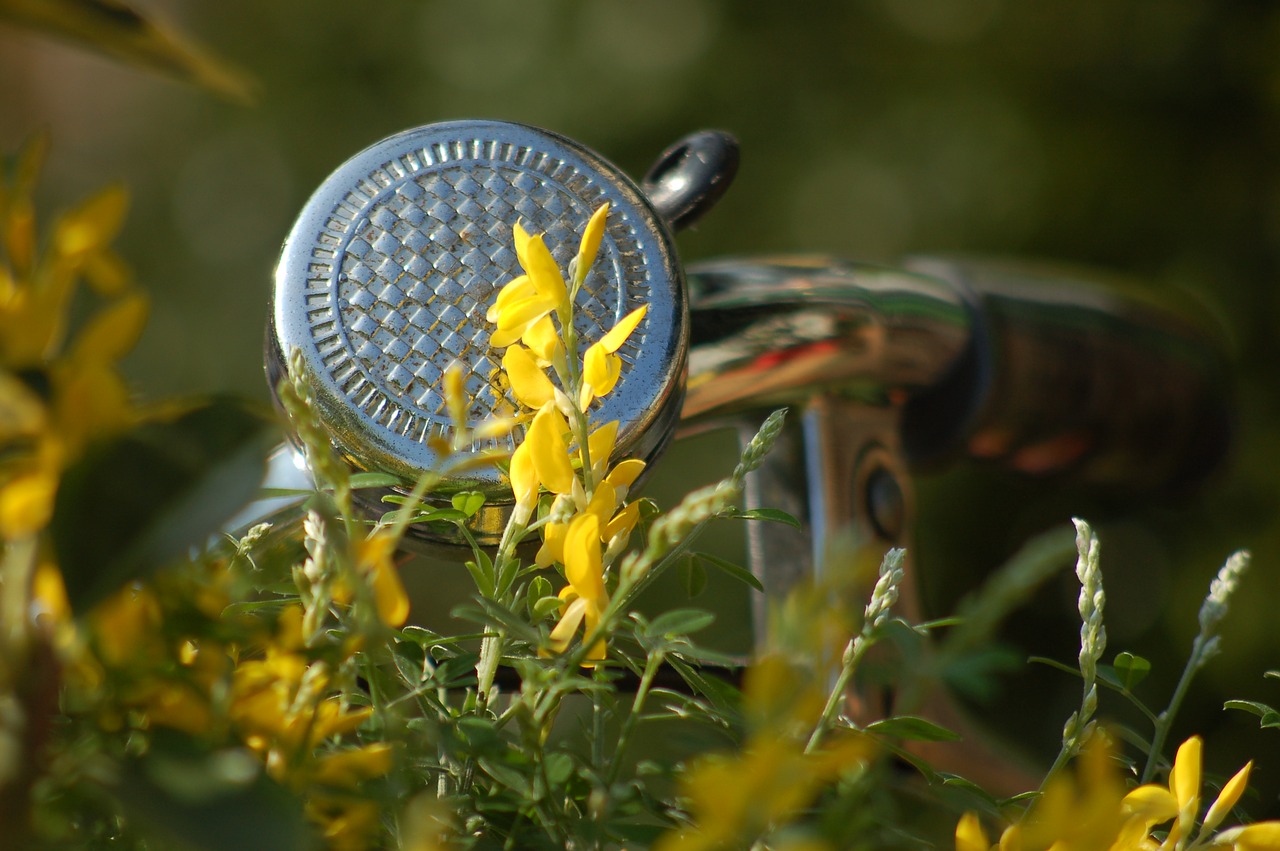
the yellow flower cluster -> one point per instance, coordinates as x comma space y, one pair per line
222, 676
739, 799
286, 706
590, 521
1096, 814
55, 394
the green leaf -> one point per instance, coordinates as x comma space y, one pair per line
481, 572
468, 502
500, 614
545, 606
183, 795
538, 590
680, 622
144, 499
1272, 675
1131, 669
693, 576
1054, 663
913, 728
507, 776
1268, 716
359, 481
559, 768
736, 571
969, 789
775, 515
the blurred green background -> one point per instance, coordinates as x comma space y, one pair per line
1142, 136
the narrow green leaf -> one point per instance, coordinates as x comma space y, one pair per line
1251, 706
507, 776
483, 578
1054, 663
736, 571
693, 576
144, 499
775, 515
359, 481
680, 622
913, 728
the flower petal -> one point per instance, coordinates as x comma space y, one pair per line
564, 630
625, 473
517, 289
1227, 798
1151, 804
601, 443
590, 245
524, 476
529, 383
1184, 779
547, 448
600, 369
623, 522
969, 834
543, 341
552, 549
582, 558
615, 338
542, 270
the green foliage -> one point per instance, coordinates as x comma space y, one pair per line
169, 485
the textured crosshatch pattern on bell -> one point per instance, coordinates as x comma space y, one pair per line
423, 259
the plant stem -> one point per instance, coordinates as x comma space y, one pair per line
853, 653
1164, 720
651, 666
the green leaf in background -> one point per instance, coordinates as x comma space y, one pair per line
913, 728
1131, 669
680, 622
115, 28
693, 576
143, 499
186, 796
736, 571
775, 515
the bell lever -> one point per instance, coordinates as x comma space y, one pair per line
691, 176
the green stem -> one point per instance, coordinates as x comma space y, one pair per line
853, 654
651, 666
1165, 719
597, 722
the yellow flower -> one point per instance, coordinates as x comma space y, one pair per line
969, 834
349, 767
531, 386
1261, 836
601, 367
590, 245
608, 503
585, 597
1153, 804
1091, 814
542, 459
739, 798
375, 557
530, 297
